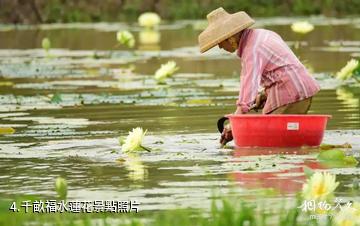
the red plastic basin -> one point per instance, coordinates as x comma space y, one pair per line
278, 130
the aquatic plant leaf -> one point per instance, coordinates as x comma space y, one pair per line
351, 160
122, 140
199, 102
332, 155
356, 74
56, 98
308, 171
6, 130
332, 146
336, 158
6, 83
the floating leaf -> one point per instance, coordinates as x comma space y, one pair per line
6, 84
350, 160
332, 155
308, 171
56, 98
120, 160
199, 102
332, 146
6, 130
336, 158
122, 140
356, 74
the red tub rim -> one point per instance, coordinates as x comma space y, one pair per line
276, 116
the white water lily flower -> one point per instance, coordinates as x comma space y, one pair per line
319, 187
348, 70
133, 140
165, 71
302, 27
149, 37
125, 38
149, 20
348, 216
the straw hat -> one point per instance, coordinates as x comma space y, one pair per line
222, 25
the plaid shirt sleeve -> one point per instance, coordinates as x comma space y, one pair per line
252, 67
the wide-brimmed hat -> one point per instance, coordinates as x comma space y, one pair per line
222, 25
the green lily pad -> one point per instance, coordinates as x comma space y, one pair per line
351, 160
308, 171
56, 98
332, 146
122, 140
332, 155
336, 158
356, 74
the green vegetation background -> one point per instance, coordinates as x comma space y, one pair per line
50, 11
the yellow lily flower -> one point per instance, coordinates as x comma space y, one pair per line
319, 187
125, 38
302, 27
149, 20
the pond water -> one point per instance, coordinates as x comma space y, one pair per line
68, 111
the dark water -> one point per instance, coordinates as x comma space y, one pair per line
106, 90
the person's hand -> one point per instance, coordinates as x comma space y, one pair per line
260, 101
238, 111
226, 135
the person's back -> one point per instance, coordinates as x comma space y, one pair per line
268, 61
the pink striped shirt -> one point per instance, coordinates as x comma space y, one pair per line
267, 61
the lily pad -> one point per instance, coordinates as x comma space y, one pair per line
336, 158
56, 98
6, 130
332, 146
